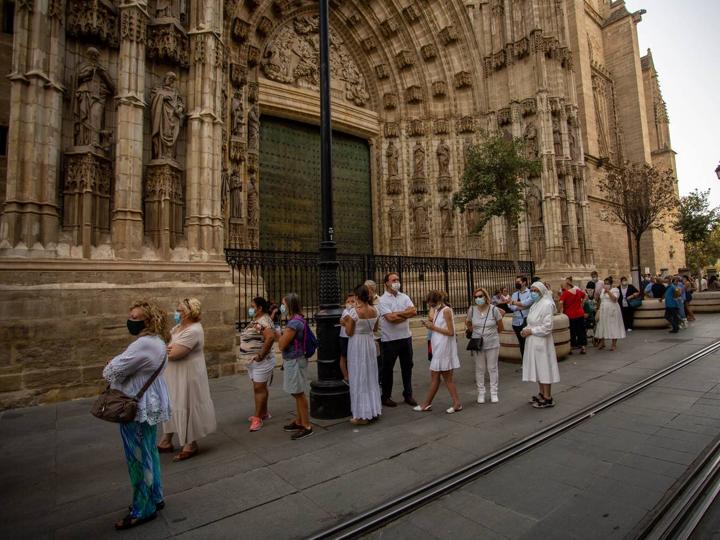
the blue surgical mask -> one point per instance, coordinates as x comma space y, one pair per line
535, 296
177, 317
283, 309
480, 301
251, 312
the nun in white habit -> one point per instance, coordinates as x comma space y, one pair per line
540, 361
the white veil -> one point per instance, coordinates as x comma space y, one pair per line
545, 299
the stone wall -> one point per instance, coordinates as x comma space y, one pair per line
62, 324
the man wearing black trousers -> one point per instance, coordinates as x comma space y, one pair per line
395, 310
519, 304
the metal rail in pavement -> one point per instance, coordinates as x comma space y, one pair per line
405, 504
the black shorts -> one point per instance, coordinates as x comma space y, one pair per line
343, 346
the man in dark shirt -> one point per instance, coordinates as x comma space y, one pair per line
658, 289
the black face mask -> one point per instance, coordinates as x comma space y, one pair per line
135, 327
518, 286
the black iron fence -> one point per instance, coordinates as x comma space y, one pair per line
273, 274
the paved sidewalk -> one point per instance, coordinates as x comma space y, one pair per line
63, 474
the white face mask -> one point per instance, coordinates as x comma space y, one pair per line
480, 301
395, 286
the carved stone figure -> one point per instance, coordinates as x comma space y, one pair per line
443, 157
167, 113
224, 191
393, 156
557, 138
472, 216
421, 217
237, 120
531, 144
253, 127
418, 161
92, 90
164, 8
235, 194
396, 222
253, 205
573, 146
447, 214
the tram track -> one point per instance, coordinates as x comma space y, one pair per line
393, 509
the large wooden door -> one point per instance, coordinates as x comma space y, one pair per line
290, 188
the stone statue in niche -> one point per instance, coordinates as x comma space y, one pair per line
253, 127
164, 8
237, 120
443, 157
167, 112
392, 155
396, 222
531, 143
93, 87
235, 194
447, 214
252, 203
472, 216
421, 217
573, 145
418, 161
224, 191
557, 138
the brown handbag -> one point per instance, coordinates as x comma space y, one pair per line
115, 406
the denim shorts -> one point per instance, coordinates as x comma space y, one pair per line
295, 375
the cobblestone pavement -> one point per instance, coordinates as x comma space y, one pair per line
63, 473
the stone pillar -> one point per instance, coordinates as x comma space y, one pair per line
552, 218
203, 222
30, 217
127, 221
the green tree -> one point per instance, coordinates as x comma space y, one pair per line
641, 197
495, 177
700, 226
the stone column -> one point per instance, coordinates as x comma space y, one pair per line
30, 217
552, 218
204, 224
127, 221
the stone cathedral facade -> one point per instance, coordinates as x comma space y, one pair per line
145, 136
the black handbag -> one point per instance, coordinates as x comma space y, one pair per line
115, 406
476, 344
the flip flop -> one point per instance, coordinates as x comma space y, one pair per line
128, 522
183, 455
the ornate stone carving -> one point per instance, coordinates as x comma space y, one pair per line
390, 101
236, 185
264, 26
237, 115
167, 42
132, 25
421, 216
529, 106
253, 92
413, 94
253, 56
443, 159
466, 124
441, 126
439, 89
164, 203
396, 222
392, 129
369, 44
292, 57
240, 30
354, 19
405, 59
429, 52
253, 203
448, 35
167, 112
412, 13
504, 117
557, 138
447, 216
463, 79
389, 27
253, 128
392, 156
252, 162
418, 184
573, 146
416, 128
93, 88
382, 71
93, 20
238, 75
531, 142
556, 105
25, 5
238, 149
164, 8
472, 217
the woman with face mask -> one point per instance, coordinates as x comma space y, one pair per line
193, 410
484, 320
256, 341
128, 372
540, 361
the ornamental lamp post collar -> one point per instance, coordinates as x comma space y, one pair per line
717, 171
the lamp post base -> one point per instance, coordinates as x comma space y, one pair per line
329, 395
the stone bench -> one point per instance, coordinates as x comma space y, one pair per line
706, 302
510, 348
651, 314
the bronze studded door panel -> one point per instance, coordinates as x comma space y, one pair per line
290, 188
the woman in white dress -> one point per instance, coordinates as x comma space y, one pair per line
359, 324
193, 415
444, 351
610, 324
540, 361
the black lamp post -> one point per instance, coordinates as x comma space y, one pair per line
717, 172
329, 396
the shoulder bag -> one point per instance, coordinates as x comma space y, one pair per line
476, 344
114, 406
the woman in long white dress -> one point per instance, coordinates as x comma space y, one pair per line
445, 359
362, 364
610, 325
539, 360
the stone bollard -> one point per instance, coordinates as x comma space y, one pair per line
706, 302
651, 314
510, 349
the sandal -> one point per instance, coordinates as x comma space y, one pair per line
184, 454
453, 410
165, 449
128, 522
359, 422
420, 408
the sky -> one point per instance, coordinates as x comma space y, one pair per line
684, 36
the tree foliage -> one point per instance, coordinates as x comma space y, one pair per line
494, 176
700, 226
642, 198
703, 254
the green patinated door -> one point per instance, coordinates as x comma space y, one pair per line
290, 188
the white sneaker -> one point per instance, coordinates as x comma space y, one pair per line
629, 329
481, 398
494, 398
